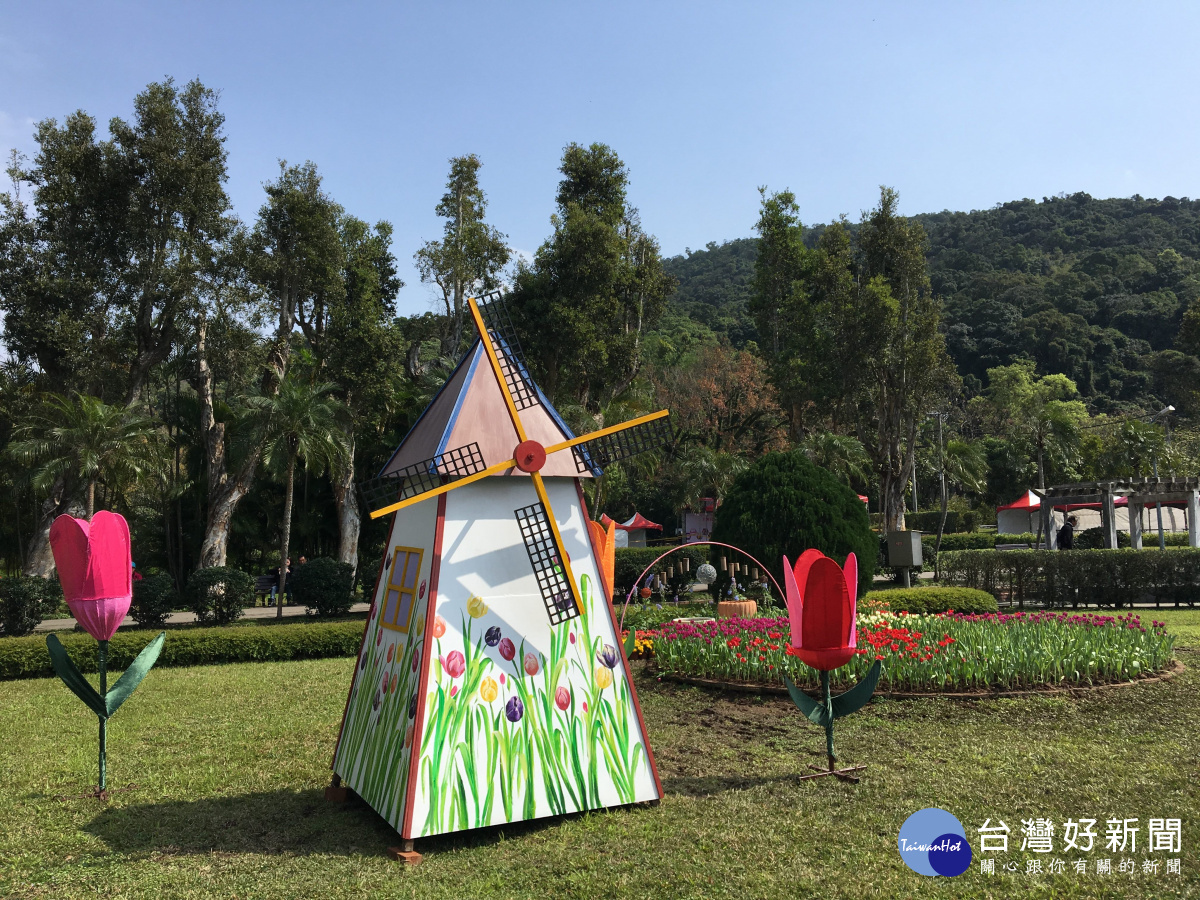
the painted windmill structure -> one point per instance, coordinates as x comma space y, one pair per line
491, 685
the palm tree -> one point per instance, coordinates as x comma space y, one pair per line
303, 422
841, 455
1134, 449
709, 473
83, 438
966, 466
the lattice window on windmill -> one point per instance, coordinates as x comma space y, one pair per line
401, 595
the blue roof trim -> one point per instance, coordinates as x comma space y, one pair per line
475, 354
427, 409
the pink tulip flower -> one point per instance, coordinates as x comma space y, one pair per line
93, 561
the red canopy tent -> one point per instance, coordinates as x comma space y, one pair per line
1022, 514
635, 529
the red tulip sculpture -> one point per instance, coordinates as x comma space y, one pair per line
822, 605
93, 562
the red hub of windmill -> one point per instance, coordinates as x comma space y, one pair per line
529, 456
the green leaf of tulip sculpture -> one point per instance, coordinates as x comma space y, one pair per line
66, 669
630, 643
133, 676
93, 562
824, 636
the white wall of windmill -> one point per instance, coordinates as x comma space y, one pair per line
505, 685
375, 746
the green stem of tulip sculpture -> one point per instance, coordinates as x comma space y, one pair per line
828, 720
103, 664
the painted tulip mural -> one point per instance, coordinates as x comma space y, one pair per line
506, 731
822, 602
537, 733
95, 568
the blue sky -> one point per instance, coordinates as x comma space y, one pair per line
956, 105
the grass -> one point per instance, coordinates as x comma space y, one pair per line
230, 763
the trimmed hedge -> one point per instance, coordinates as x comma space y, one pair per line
323, 585
1101, 577
27, 657
630, 561
926, 600
217, 595
978, 540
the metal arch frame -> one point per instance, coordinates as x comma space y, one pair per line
637, 581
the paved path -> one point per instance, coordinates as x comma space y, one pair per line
184, 618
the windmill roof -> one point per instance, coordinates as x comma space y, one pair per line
469, 409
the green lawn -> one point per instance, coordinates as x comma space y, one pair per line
230, 762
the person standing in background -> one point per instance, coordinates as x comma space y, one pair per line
1066, 534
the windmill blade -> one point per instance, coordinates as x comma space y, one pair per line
416, 482
595, 451
503, 338
550, 565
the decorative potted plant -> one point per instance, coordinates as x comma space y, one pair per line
736, 605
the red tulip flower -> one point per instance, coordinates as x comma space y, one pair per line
454, 664
93, 561
822, 601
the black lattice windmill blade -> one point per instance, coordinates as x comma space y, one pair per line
465, 465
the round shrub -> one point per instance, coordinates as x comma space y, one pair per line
24, 602
323, 585
785, 504
218, 595
154, 598
926, 600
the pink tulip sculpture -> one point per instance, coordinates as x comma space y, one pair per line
93, 562
822, 604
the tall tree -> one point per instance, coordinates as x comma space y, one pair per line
96, 278
778, 302
294, 260
911, 371
471, 255
595, 286
361, 346
1042, 413
297, 257
96, 283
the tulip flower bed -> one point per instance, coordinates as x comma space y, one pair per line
943, 652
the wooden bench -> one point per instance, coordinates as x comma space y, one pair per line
263, 585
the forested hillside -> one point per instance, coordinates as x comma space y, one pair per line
1094, 289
